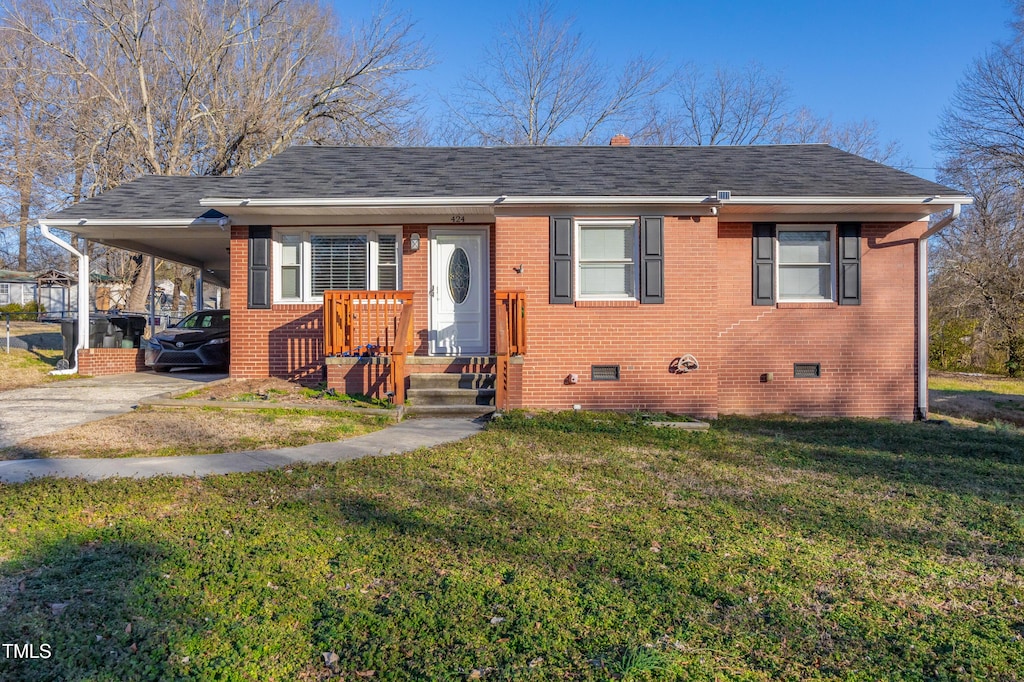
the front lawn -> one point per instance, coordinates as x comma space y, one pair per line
982, 398
149, 432
21, 368
571, 546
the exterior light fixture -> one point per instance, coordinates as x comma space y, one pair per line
414, 241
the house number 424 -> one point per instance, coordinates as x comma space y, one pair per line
458, 218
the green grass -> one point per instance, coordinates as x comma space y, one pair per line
977, 384
21, 368
570, 546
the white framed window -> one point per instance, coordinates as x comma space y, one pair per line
805, 260
5, 293
311, 261
606, 256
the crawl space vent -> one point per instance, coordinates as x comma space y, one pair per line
604, 372
807, 370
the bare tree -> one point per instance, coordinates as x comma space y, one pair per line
750, 105
184, 87
978, 264
28, 133
723, 106
979, 273
985, 119
857, 137
541, 83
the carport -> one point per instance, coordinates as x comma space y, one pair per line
158, 216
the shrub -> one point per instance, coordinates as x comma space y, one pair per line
23, 308
950, 344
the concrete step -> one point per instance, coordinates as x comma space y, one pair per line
449, 410
429, 380
450, 396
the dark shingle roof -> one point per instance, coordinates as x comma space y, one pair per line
813, 170
152, 197
16, 276
767, 170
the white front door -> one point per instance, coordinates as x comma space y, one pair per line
459, 282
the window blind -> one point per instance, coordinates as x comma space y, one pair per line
339, 262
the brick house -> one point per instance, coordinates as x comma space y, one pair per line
702, 280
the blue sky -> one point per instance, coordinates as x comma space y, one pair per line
896, 62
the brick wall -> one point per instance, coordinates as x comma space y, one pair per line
286, 341
357, 376
103, 361
867, 352
642, 339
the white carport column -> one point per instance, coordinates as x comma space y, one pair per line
200, 297
83, 284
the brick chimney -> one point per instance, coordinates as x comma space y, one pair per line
619, 140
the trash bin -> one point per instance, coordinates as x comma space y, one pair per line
132, 327
99, 326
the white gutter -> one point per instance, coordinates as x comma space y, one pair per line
414, 202
389, 202
606, 200
83, 290
922, 309
130, 222
823, 201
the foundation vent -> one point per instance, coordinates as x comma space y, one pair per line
604, 372
807, 370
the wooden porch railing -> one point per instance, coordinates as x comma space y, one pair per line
509, 339
371, 323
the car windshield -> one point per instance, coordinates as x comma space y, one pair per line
204, 321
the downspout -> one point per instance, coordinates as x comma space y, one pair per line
83, 293
922, 309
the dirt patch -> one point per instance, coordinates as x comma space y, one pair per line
276, 392
195, 431
978, 406
978, 397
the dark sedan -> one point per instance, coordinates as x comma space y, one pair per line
200, 340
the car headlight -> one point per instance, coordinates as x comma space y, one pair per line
217, 341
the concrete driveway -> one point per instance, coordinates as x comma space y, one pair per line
40, 410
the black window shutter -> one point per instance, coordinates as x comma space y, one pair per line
764, 264
652, 259
849, 264
561, 259
259, 266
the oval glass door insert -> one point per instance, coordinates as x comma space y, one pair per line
458, 275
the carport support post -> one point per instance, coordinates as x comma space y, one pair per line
200, 302
152, 295
83, 284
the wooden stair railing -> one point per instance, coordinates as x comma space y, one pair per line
403, 347
371, 323
509, 339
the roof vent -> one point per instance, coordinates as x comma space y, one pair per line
619, 140
724, 195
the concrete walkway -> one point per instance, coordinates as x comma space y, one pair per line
403, 437
48, 408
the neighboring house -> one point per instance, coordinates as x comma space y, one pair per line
17, 288
700, 280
